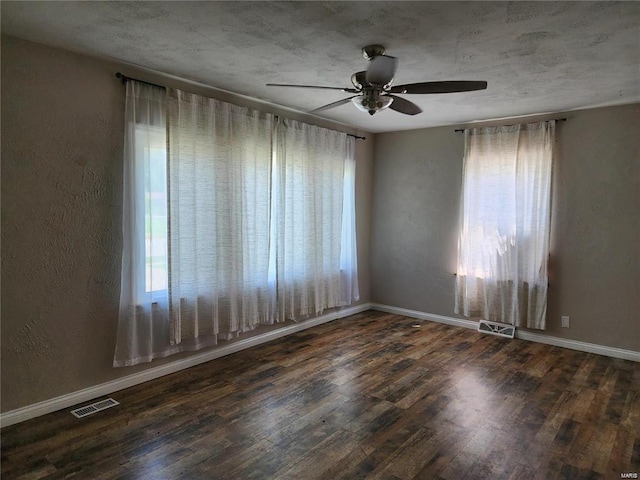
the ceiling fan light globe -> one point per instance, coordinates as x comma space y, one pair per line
385, 101
360, 103
370, 104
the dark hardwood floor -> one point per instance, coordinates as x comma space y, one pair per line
368, 396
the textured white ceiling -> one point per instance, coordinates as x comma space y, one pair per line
537, 56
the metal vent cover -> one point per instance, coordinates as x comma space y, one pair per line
495, 328
94, 407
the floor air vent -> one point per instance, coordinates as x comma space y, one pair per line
495, 328
94, 407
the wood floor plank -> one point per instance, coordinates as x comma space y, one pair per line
368, 396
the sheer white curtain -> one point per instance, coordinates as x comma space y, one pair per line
503, 244
349, 291
143, 329
230, 220
314, 220
219, 191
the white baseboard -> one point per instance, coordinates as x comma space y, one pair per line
522, 334
578, 345
458, 322
65, 401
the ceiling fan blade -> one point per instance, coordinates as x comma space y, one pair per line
350, 90
401, 105
334, 104
440, 87
381, 69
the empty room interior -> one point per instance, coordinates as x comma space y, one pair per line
320, 240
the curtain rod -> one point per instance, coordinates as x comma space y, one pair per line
460, 130
125, 79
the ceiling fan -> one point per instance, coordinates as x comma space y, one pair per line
374, 91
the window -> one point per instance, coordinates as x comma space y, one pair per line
503, 242
232, 218
151, 151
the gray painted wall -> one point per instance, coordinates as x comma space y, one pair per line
62, 141
595, 241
